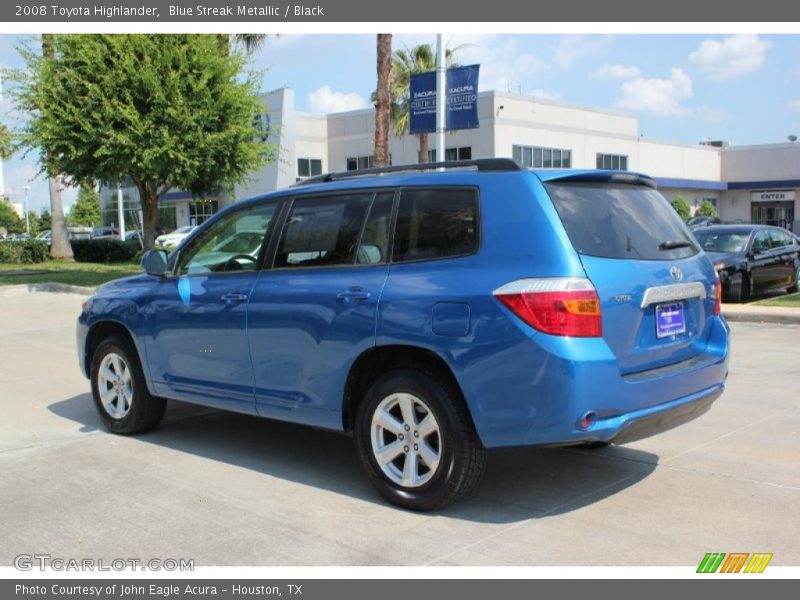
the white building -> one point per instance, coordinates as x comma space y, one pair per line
748, 183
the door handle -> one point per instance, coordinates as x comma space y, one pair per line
232, 298
353, 295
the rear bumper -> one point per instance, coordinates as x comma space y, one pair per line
539, 393
650, 422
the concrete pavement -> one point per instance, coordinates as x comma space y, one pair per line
226, 489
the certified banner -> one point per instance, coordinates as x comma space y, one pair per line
461, 100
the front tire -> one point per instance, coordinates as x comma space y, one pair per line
738, 288
416, 440
119, 389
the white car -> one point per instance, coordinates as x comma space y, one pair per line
170, 240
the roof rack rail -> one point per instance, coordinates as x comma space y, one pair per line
482, 164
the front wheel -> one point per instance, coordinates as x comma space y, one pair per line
119, 389
738, 288
416, 440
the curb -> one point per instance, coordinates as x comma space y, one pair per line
762, 314
52, 287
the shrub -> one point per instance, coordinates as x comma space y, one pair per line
104, 251
706, 209
27, 251
682, 207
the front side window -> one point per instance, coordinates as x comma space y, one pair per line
323, 231
761, 242
232, 244
436, 224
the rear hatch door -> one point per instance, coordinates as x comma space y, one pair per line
656, 286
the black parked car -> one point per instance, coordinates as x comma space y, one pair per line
752, 259
703, 222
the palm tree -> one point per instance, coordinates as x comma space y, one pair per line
251, 41
405, 63
383, 104
59, 238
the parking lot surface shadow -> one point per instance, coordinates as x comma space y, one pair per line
518, 484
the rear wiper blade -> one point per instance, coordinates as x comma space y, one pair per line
673, 244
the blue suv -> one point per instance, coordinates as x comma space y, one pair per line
432, 314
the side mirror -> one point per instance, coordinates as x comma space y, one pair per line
154, 262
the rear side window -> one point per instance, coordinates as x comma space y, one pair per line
779, 239
436, 223
323, 231
621, 221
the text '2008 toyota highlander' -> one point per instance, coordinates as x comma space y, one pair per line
432, 314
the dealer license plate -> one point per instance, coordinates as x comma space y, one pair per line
670, 319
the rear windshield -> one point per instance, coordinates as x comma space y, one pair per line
621, 221
715, 241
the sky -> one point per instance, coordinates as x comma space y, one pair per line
743, 88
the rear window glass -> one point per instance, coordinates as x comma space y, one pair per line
621, 221
436, 224
713, 241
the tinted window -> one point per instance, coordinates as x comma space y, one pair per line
620, 221
778, 238
761, 242
322, 231
435, 224
232, 244
374, 247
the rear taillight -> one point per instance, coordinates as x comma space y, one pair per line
566, 306
718, 301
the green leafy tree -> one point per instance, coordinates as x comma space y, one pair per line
682, 207
168, 111
59, 238
405, 63
706, 209
45, 221
9, 219
86, 210
5, 142
33, 223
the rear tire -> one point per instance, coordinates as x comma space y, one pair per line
416, 440
120, 391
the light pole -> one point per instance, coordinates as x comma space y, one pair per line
27, 188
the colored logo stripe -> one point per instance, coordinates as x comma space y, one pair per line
711, 562
758, 562
734, 562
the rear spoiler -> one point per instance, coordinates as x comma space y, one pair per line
600, 176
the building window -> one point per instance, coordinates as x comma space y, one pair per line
359, 163
612, 161
461, 153
543, 158
201, 210
308, 167
262, 122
